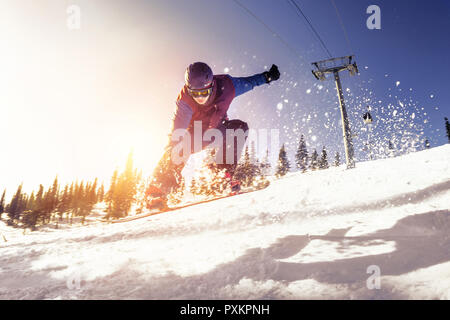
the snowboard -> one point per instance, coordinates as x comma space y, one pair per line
181, 206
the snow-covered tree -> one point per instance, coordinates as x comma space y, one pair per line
247, 169
323, 163
283, 165
337, 160
314, 163
265, 166
301, 157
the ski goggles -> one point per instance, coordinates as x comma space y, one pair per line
200, 92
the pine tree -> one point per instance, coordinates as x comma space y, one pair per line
53, 197
22, 204
36, 213
247, 169
129, 181
248, 166
74, 201
87, 199
447, 127
14, 207
64, 204
337, 160
80, 199
212, 174
301, 157
45, 207
39, 217
70, 201
31, 201
283, 165
262, 170
27, 215
123, 190
93, 193
265, 166
2, 203
314, 163
101, 193
323, 164
112, 187
109, 197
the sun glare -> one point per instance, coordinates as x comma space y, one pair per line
146, 149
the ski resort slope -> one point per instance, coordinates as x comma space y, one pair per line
317, 235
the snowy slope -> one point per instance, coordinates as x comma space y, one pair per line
391, 216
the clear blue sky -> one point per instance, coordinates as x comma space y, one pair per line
86, 97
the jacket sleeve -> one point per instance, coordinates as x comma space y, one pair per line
181, 118
245, 84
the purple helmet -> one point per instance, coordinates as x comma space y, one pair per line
198, 76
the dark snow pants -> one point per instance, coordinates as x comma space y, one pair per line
167, 175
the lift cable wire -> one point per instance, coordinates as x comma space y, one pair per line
295, 52
292, 2
342, 26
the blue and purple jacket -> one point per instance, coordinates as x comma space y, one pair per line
211, 114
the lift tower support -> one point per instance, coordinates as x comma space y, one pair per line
323, 70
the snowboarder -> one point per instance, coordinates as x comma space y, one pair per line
204, 97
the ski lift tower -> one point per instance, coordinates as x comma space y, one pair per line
323, 71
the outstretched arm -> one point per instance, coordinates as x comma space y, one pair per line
245, 84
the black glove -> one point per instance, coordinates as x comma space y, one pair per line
272, 75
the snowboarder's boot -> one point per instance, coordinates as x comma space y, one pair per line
155, 198
235, 186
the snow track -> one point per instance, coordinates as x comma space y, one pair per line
315, 235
